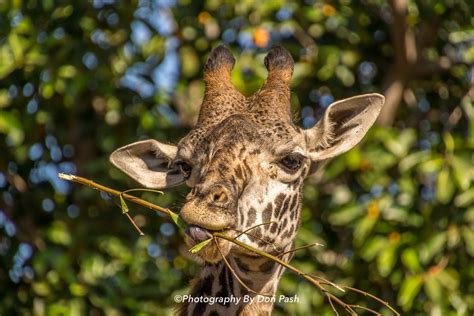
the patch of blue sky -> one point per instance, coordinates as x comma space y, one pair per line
164, 3
245, 40
138, 84
167, 73
48, 172
162, 21
141, 33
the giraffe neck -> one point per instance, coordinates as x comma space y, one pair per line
218, 282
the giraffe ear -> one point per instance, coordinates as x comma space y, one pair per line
343, 126
149, 163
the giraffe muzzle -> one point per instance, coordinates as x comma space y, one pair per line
211, 208
197, 233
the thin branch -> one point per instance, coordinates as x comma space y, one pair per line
327, 282
346, 306
143, 190
134, 224
235, 273
253, 227
301, 248
312, 279
246, 232
366, 309
304, 275
256, 237
332, 305
342, 287
140, 232
131, 198
403, 39
276, 259
384, 303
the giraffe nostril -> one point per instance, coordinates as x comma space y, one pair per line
220, 197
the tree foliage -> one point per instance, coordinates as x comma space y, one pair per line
79, 79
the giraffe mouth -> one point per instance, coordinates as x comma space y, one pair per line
197, 233
211, 252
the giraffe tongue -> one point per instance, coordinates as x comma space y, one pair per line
197, 233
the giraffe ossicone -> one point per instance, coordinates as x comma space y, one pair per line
245, 162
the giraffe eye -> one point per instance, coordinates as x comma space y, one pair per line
184, 167
292, 162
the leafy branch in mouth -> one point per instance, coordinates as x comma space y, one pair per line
317, 281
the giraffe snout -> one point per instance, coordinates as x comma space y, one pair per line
217, 195
212, 209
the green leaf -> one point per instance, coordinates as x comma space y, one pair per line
401, 145
363, 228
41, 288
462, 171
178, 220
444, 186
372, 247
449, 278
433, 288
198, 247
408, 185
412, 160
6, 68
469, 215
448, 142
77, 289
432, 165
410, 260
11, 125
123, 204
5, 99
353, 159
345, 215
17, 47
386, 260
432, 247
59, 234
409, 289
468, 236
465, 199
396, 213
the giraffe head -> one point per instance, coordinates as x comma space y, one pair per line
245, 160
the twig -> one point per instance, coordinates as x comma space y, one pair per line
246, 232
256, 237
328, 282
173, 216
301, 248
306, 276
131, 198
366, 309
271, 257
140, 232
384, 303
235, 273
134, 224
332, 305
253, 227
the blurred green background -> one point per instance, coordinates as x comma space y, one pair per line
79, 79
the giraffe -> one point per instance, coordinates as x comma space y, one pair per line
245, 162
